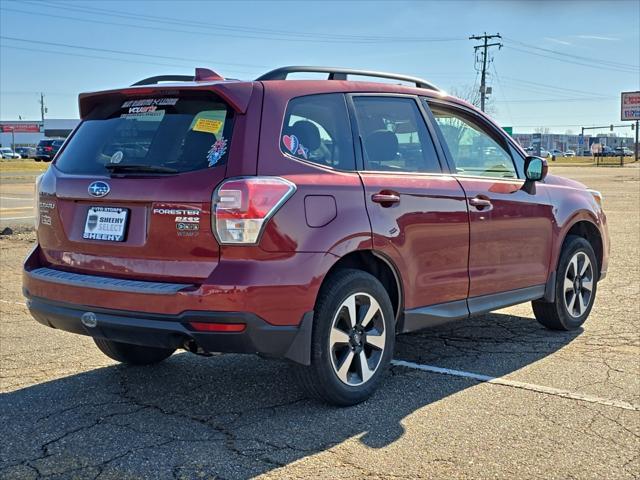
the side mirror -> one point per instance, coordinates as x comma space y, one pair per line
535, 169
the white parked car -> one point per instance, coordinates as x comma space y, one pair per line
6, 152
570, 153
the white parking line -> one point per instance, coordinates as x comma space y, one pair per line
16, 218
13, 303
522, 385
496, 381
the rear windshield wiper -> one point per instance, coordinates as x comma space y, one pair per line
132, 168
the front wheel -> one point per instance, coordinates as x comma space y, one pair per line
576, 285
353, 339
132, 354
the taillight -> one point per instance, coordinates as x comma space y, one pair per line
48, 149
242, 207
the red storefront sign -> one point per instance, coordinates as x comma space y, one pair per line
20, 127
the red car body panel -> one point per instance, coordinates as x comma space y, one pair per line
510, 241
442, 248
426, 234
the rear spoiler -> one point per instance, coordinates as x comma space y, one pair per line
236, 94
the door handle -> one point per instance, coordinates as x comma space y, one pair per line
385, 199
480, 202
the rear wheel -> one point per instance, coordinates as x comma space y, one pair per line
576, 284
353, 339
132, 354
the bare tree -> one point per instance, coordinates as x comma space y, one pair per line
471, 94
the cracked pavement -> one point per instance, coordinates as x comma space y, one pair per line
67, 411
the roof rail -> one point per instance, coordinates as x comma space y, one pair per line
202, 74
337, 73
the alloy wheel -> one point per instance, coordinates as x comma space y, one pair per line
357, 339
578, 284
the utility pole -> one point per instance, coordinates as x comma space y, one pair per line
42, 108
637, 149
485, 47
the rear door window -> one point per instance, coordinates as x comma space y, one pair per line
394, 135
317, 129
174, 134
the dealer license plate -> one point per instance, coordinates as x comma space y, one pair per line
106, 223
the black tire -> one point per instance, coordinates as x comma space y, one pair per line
320, 380
556, 315
132, 354
37, 159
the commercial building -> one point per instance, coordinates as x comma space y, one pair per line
29, 133
563, 142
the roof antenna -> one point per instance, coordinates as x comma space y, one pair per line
206, 75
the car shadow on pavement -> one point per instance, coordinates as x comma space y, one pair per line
234, 416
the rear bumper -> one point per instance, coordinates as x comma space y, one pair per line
174, 331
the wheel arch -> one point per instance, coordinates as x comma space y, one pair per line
378, 265
584, 227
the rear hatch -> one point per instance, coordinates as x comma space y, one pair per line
45, 147
130, 193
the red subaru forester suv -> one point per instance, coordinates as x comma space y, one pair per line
312, 220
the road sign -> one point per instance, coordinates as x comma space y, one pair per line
630, 106
581, 139
509, 130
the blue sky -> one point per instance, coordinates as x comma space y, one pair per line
563, 65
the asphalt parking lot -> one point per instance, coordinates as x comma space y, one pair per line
541, 404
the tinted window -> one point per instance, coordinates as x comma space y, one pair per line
182, 134
316, 129
473, 151
394, 135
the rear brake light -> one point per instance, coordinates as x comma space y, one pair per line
217, 327
48, 149
242, 207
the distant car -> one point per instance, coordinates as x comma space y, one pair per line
556, 153
47, 149
543, 152
570, 153
6, 152
623, 151
26, 152
607, 151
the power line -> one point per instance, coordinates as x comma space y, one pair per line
249, 33
550, 87
96, 57
237, 28
601, 67
502, 92
122, 52
574, 56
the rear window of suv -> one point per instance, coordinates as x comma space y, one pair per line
174, 134
317, 129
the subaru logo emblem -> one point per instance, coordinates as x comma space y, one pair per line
99, 189
89, 319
